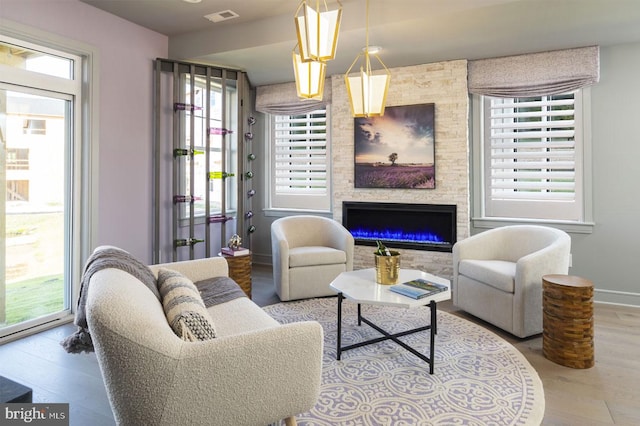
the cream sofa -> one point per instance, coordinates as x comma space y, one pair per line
256, 371
497, 274
308, 252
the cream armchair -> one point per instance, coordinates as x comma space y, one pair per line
254, 372
497, 274
308, 252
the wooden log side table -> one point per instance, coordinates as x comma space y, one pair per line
567, 320
240, 271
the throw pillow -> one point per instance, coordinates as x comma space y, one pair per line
184, 308
218, 290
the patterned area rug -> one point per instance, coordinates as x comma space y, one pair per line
479, 378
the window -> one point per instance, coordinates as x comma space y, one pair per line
34, 127
532, 158
300, 175
223, 146
17, 159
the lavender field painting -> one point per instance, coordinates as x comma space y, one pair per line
396, 150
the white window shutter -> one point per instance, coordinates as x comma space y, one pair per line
531, 158
300, 161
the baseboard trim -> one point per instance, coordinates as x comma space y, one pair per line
614, 297
261, 259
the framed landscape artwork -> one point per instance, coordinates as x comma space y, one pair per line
396, 150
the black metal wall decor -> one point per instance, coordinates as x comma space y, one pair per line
248, 136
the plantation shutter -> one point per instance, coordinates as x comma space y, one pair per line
530, 160
300, 160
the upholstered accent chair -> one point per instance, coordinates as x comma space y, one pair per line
308, 252
255, 371
497, 274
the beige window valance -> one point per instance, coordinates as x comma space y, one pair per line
536, 74
282, 99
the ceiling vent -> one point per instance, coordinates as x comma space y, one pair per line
221, 16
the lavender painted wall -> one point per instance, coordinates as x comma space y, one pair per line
125, 109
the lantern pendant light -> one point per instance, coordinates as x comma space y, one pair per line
317, 33
317, 30
367, 89
310, 76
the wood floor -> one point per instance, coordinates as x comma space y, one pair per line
608, 393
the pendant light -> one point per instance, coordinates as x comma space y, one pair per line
367, 89
317, 33
309, 76
317, 30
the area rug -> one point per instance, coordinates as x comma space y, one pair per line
479, 378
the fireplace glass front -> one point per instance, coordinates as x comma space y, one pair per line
429, 227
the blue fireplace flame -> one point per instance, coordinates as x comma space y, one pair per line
397, 235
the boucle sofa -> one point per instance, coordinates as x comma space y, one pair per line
254, 372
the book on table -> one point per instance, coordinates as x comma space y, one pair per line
426, 285
240, 251
418, 288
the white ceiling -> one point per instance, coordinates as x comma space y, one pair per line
410, 32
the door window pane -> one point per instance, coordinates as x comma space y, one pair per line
33, 284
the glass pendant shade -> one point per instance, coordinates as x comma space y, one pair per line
310, 77
317, 31
367, 89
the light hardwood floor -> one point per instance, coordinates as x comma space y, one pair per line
606, 394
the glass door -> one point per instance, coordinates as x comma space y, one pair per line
35, 136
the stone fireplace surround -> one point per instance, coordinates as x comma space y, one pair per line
445, 85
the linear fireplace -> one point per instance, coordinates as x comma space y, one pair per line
412, 226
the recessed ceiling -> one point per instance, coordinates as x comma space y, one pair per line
411, 32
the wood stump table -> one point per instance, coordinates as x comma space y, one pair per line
240, 271
567, 320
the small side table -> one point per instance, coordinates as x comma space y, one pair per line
11, 391
240, 271
567, 320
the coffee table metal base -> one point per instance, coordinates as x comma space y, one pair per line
387, 336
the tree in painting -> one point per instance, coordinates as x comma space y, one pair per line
393, 158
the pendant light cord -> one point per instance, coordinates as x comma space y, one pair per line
367, 29
367, 61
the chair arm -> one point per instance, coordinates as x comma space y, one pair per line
198, 269
482, 246
252, 378
280, 259
553, 259
342, 239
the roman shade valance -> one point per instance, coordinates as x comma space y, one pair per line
537, 74
282, 99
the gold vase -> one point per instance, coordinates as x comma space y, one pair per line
387, 268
